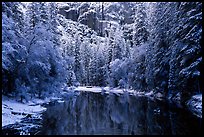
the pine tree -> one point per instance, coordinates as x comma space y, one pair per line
188, 52
140, 33
118, 45
77, 64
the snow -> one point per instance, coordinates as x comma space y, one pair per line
151, 93
195, 105
107, 90
101, 89
88, 88
11, 105
60, 101
35, 101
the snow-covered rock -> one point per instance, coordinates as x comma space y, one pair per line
195, 105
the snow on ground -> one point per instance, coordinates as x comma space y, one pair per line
195, 105
103, 89
34, 107
35, 101
11, 105
88, 88
151, 93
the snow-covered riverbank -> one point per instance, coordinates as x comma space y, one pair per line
102, 89
194, 104
23, 118
13, 111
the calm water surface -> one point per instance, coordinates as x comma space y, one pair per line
111, 114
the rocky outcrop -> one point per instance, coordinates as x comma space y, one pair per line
90, 19
69, 13
82, 15
90, 16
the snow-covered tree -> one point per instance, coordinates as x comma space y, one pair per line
85, 51
13, 48
185, 66
145, 46
77, 59
140, 33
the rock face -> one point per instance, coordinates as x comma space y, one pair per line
69, 13
121, 12
82, 15
90, 19
86, 14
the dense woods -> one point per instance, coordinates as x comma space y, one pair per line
145, 46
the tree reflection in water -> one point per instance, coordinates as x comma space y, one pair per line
93, 113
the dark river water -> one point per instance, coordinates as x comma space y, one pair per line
111, 114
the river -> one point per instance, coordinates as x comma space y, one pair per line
92, 113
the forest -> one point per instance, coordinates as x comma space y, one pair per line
140, 46
145, 46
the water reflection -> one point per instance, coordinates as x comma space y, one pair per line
93, 113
